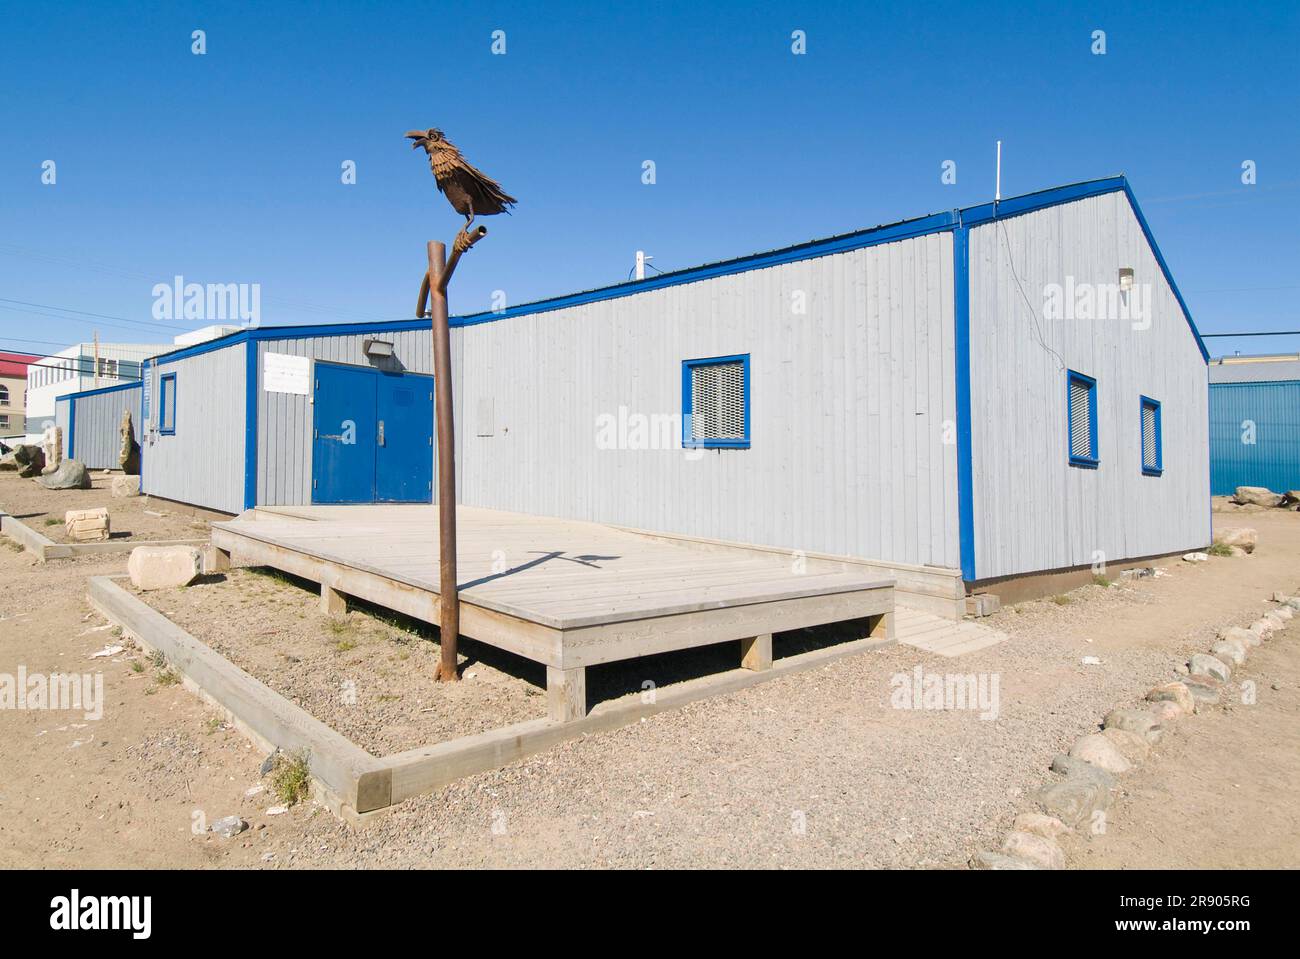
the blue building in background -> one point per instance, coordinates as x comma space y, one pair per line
1254, 423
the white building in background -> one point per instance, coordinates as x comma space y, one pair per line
76, 369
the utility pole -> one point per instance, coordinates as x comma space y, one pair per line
434, 289
641, 261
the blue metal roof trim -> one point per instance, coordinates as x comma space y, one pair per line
102, 390
861, 239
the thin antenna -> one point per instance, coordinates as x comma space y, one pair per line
641, 261
997, 189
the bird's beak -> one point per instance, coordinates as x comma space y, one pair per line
417, 136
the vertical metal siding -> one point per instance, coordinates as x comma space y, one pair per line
284, 420
1254, 436
203, 461
98, 419
851, 409
1033, 511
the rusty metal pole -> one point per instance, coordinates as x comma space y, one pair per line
448, 595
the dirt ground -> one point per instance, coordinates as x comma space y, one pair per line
811, 770
137, 517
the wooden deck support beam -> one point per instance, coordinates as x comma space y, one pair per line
756, 652
566, 693
332, 602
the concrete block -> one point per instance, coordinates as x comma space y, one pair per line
86, 525
126, 486
164, 567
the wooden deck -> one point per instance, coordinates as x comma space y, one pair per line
565, 594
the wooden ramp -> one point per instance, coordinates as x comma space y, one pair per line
566, 594
944, 637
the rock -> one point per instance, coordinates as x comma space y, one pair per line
163, 567
1039, 850
69, 475
1137, 721
1263, 628
1293, 602
52, 446
269, 763
1273, 617
1090, 661
1286, 612
1241, 536
126, 486
1196, 558
997, 861
1132, 746
1235, 634
1073, 768
1049, 827
1256, 495
29, 459
1167, 711
1101, 752
1176, 693
1279, 596
1291, 497
1074, 800
1237, 552
229, 827
1205, 665
128, 450
86, 525
1229, 651
1205, 690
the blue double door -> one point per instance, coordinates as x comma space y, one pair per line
372, 436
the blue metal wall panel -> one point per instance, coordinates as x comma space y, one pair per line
1254, 436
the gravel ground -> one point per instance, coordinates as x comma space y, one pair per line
42, 510
810, 770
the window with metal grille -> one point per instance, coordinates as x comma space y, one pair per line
1153, 457
167, 404
1081, 403
715, 402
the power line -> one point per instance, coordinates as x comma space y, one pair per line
1207, 336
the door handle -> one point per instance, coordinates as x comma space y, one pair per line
381, 432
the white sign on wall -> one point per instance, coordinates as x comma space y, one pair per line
282, 373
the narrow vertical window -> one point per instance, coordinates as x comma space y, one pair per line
1081, 403
167, 404
1153, 456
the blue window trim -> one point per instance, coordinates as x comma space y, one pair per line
688, 441
162, 404
1084, 462
1159, 468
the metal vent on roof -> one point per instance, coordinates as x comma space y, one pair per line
718, 401
1080, 427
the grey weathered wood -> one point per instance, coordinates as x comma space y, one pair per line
332, 602
361, 781
566, 693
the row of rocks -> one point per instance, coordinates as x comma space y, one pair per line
1262, 496
1089, 769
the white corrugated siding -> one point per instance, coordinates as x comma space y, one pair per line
849, 402
203, 462
98, 419
1032, 510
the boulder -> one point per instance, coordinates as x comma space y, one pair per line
1256, 495
52, 445
1235, 634
1168, 712
1204, 665
1293, 602
1042, 852
1074, 800
1291, 497
164, 567
1101, 752
69, 475
1206, 690
1275, 618
128, 451
1132, 746
1137, 721
1286, 612
125, 486
1073, 768
1196, 558
1176, 693
1263, 628
29, 459
86, 525
1240, 536
1229, 651
229, 827
997, 861
1049, 827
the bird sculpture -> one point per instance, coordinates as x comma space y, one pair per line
470, 191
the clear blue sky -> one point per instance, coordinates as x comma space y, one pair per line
226, 167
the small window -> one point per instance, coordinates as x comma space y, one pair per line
167, 404
4, 421
715, 402
4, 395
1081, 398
1153, 456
